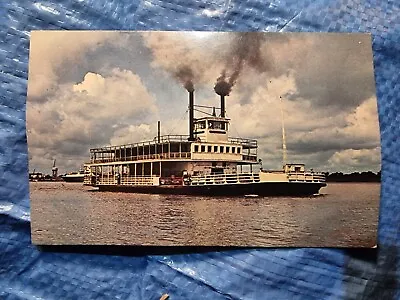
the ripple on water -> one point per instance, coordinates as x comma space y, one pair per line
70, 213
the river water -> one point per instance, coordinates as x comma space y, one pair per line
344, 215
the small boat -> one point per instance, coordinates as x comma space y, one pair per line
74, 176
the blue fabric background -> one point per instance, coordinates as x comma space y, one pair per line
27, 273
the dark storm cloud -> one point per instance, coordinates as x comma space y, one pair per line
337, 143
126, 54
337, 71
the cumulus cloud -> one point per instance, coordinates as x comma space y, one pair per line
351, 160
86, 114
132, 134
310, 129
52, 49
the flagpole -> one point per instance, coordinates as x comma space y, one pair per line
284, 149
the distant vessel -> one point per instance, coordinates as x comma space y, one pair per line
74, 176
36, 176
205, 162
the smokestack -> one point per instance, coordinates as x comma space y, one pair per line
158, 131
191, 115
223, 106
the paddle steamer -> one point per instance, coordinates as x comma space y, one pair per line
205, 162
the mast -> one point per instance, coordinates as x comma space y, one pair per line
284, 149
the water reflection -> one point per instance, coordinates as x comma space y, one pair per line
72, 214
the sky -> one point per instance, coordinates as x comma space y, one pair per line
89, 89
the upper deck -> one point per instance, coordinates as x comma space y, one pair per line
177, 147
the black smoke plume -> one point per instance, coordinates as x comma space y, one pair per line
245, 51
185, 75
222, 86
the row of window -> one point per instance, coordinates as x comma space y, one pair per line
211, 125
216, 149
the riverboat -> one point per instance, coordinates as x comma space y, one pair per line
207, 161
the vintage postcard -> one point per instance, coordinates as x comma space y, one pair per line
203, 139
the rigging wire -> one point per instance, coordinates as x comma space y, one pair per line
233, 127
177, 123
203, 112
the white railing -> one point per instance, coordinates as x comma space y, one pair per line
225, 179
127, 180
306, 177
170, 155
87, 180
246, 143
142, 180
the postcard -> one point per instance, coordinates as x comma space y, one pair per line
203, 139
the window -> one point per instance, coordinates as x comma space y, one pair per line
215, 149
200, 125
203, 148
238, 150
221, 149
217, 125
233, 149
227, 149
209, 149
196, 148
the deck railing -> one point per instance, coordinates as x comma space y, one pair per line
235, 178
225, 179
171, 155
245, 143
163, 139
142, 180
166, 156
171, 138
306, 177
124, 180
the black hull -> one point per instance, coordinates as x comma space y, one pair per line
260, 189
74, 179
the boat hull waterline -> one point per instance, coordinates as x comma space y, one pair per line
260, 189
73, 178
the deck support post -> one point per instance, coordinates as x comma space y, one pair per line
135, 168
151, 169
160, 168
